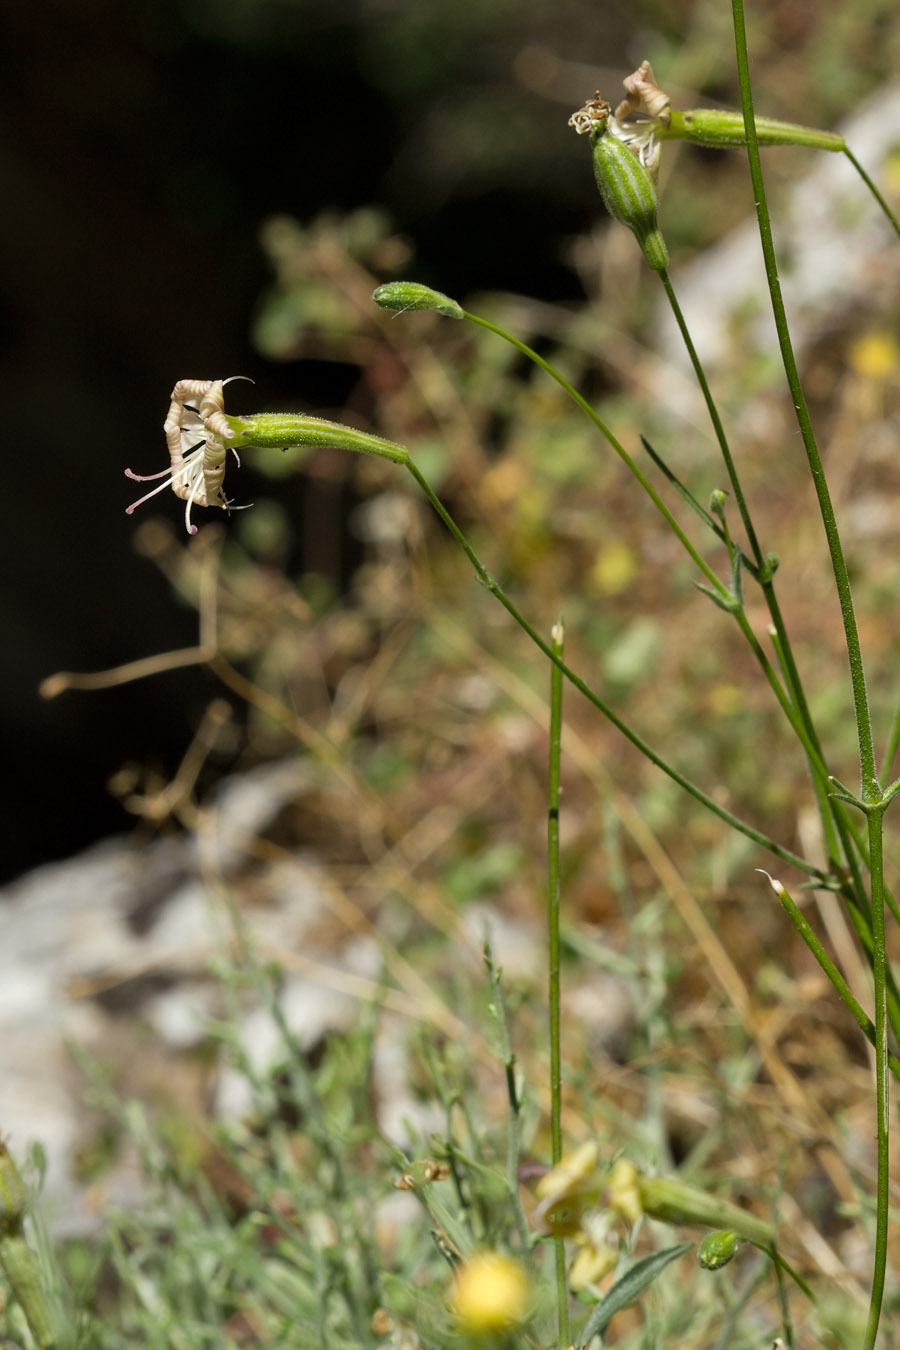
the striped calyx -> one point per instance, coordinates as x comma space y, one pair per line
629, 193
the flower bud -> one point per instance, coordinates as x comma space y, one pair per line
717, 1249
629, 194
404, 295
717, 499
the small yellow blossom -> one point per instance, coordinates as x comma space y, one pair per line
614, 568
875, 355
490, 1292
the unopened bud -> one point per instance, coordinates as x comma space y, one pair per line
404, 295
717, 499
717, 1249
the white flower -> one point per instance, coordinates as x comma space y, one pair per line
640, 135
197, 434
641, 115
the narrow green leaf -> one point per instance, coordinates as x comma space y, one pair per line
628, 1286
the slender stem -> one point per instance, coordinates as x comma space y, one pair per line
871, 792
872, 188
870, 787
783, 645
692, 502
787, 1324
557, 639
804, 728
882, 1118
778, 850
893, 741
810, 740
514, 1119
714, 418
760, 570
615, 443
842, 988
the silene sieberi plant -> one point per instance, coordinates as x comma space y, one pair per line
584, 1199
626, 145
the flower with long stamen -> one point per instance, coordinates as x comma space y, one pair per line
198, 436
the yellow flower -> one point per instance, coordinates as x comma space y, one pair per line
490, 1292
567, 1189
624, 1190
597, 1255
875, 355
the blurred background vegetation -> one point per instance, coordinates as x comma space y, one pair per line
208, 188
147, 147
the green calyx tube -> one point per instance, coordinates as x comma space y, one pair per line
629, 193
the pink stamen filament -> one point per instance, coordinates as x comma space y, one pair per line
170, 475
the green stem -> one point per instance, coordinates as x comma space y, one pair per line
697, 793
760, 568
781, 1268
804, 728
871, 789
842, 988
557, 638
870, 786
514, 1119
882, 1117
685, 492
714, 418
610, 437
873, 189
890, 749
